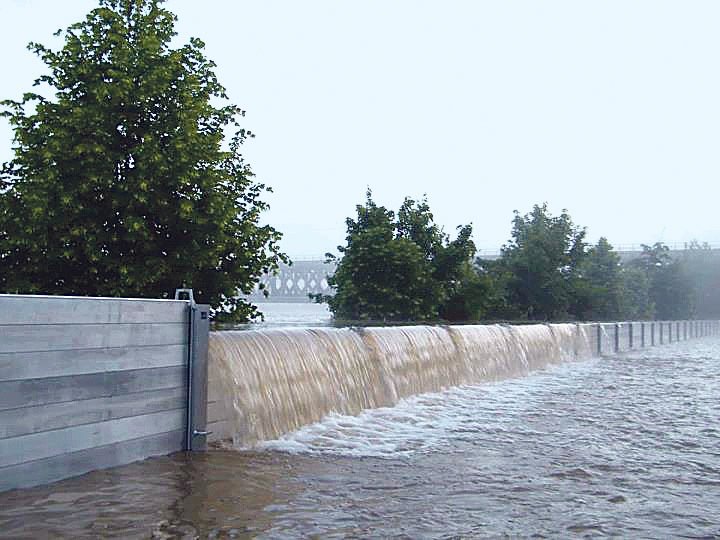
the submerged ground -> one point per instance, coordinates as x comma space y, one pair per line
626, 446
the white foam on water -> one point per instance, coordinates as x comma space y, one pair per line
421, 423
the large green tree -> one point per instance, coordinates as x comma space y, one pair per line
122, 183
541, 264
459, 291
401, 268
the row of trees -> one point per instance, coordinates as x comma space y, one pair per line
404, 267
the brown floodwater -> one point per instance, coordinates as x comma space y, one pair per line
627, 446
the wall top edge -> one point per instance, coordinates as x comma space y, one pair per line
89, 298
405, 326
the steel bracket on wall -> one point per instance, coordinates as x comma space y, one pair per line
197, 373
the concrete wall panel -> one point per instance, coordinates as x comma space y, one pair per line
16, 422
31, 392
32, 310
88, 383
61, 466
59, 337
32, 365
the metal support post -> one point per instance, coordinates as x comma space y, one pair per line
197, 369
652, 334
617, 337
642, 335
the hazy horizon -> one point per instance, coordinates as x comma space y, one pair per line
609, 110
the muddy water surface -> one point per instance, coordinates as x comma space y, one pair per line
626, 447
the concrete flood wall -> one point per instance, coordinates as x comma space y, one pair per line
605, 339
90, 383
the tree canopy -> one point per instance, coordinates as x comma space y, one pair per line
543, 259
122, 183
399, 268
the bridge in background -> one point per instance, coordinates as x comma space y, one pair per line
294, 283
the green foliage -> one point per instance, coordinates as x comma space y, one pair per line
701, 266
401, 269
472, 298
669, 287
636, 303
121, 184
542, 263
600, 290
497, 278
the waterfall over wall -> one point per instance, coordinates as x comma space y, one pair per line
263, 383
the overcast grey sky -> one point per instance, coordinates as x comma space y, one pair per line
610, 109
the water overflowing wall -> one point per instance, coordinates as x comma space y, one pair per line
266, 383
